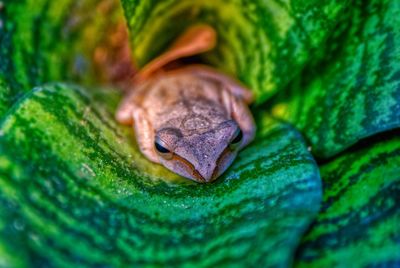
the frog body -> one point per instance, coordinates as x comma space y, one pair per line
192, 119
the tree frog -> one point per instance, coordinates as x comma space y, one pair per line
190, 118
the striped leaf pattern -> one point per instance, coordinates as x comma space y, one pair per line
74, 194
264, 43
355, 92
44, 40
359, 222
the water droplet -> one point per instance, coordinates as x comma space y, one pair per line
19, 225
86, 169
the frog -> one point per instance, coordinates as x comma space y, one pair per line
191, 118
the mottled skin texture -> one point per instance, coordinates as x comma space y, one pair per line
197, 114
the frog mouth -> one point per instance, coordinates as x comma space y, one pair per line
196, 175
190, 168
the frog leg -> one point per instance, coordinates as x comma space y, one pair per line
129, 103
195, 40
240, 112
129, 113
144, 134
124, 111
234, 86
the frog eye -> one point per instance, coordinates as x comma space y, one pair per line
162, 150
237, 139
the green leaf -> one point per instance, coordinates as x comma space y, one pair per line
75, 191
264, 43
358, 225
355, 92
45, 40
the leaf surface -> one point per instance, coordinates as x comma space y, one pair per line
359, 221
44, 41
263, 43
355, 92
76, 191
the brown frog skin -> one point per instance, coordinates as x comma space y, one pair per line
192, 119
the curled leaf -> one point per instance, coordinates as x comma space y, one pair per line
76, 191
355, 92
359, 221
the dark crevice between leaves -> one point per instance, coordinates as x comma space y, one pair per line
362, 144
